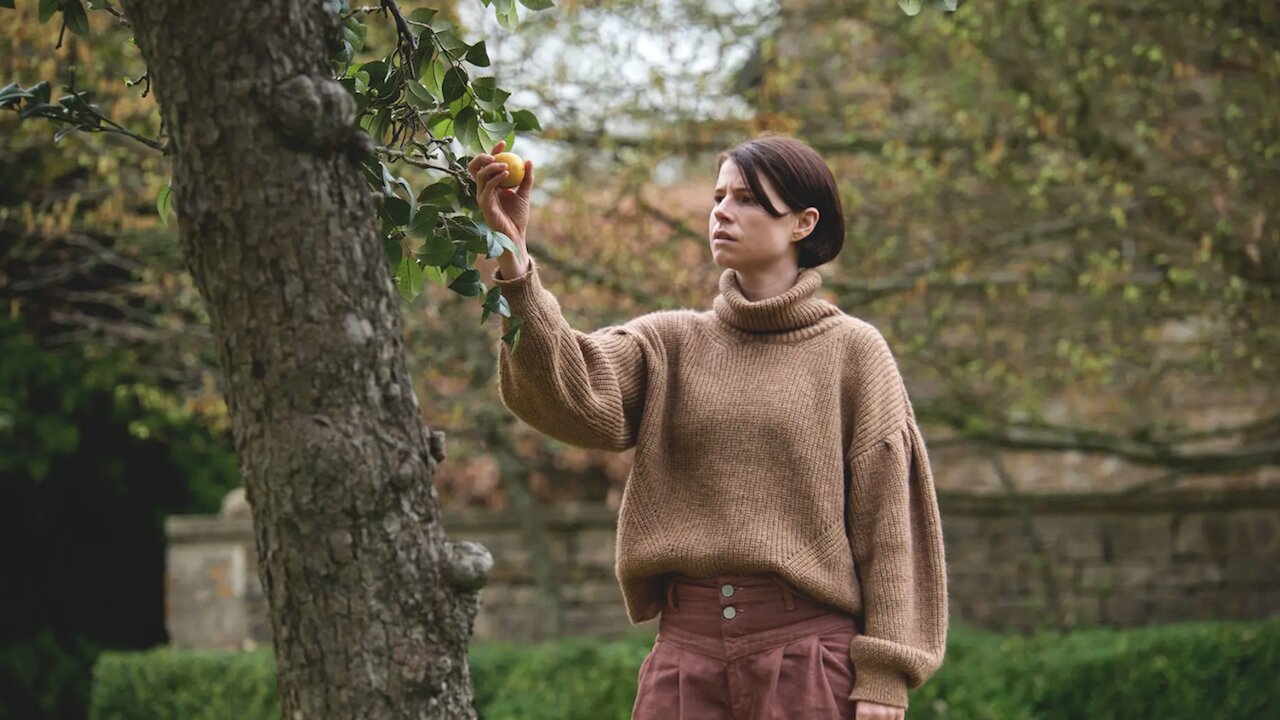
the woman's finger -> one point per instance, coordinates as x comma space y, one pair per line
488, 171
486, 178
494, 178
478, 162
527, 182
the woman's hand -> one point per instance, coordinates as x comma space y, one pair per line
505, 210
872, 711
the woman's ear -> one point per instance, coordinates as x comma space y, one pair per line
808, 221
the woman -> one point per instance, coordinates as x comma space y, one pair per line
780, 513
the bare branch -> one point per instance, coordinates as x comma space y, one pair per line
1138, 448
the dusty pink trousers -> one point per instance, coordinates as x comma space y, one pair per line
746, 647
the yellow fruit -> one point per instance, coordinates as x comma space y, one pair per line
515, 168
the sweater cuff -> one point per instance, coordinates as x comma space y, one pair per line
879, 684
519, 284
525, 294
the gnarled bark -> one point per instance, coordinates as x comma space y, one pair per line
371, 605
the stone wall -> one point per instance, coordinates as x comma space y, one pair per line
1014, 563
1119, 561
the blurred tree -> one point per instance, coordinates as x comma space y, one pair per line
109, 412
1062, 218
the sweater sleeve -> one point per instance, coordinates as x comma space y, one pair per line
897, 541
585, 389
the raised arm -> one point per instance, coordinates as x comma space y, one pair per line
586, 389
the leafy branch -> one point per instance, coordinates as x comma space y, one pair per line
414, 104
72, 110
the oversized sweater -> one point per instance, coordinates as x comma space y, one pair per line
771, 436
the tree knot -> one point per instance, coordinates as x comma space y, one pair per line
467, 565
314, 113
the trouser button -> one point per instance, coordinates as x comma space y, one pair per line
729, 612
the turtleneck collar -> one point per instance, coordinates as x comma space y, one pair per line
796, 308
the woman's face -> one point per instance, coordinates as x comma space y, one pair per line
758, 240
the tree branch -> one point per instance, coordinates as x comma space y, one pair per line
403, 35
1139, 448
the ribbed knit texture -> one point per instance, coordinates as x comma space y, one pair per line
770, 436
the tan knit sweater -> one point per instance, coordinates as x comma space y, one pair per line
771, 436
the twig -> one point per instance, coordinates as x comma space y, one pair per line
402, 156
145, 77
403, 34
106, 5
362, 10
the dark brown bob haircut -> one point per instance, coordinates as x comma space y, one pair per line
802, 179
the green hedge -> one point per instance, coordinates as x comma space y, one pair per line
186, 684
1199, 671
1196, 670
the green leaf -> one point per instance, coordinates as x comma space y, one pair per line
164, 201
449, 40
463, 227
7, 4
491, 133
41, 91
494, 302
512, 336
425, 53
506, 243
455, 83
435, 275
423, 15
57, 137
440, 124
354, 32
508, 19
409, 279
74, 16
537, 4
910, 7
424, 222
525, 120
437, 251
78, 103
389, 178
396, 210
484, 87
467, 127
440, 194
477, 55
344, 56
376, 125
432, 78
47, 9
44, 109
468, 284
12, 93
418, 96
493, 248
488, 95
379, 73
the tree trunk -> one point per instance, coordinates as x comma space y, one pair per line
371, 606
